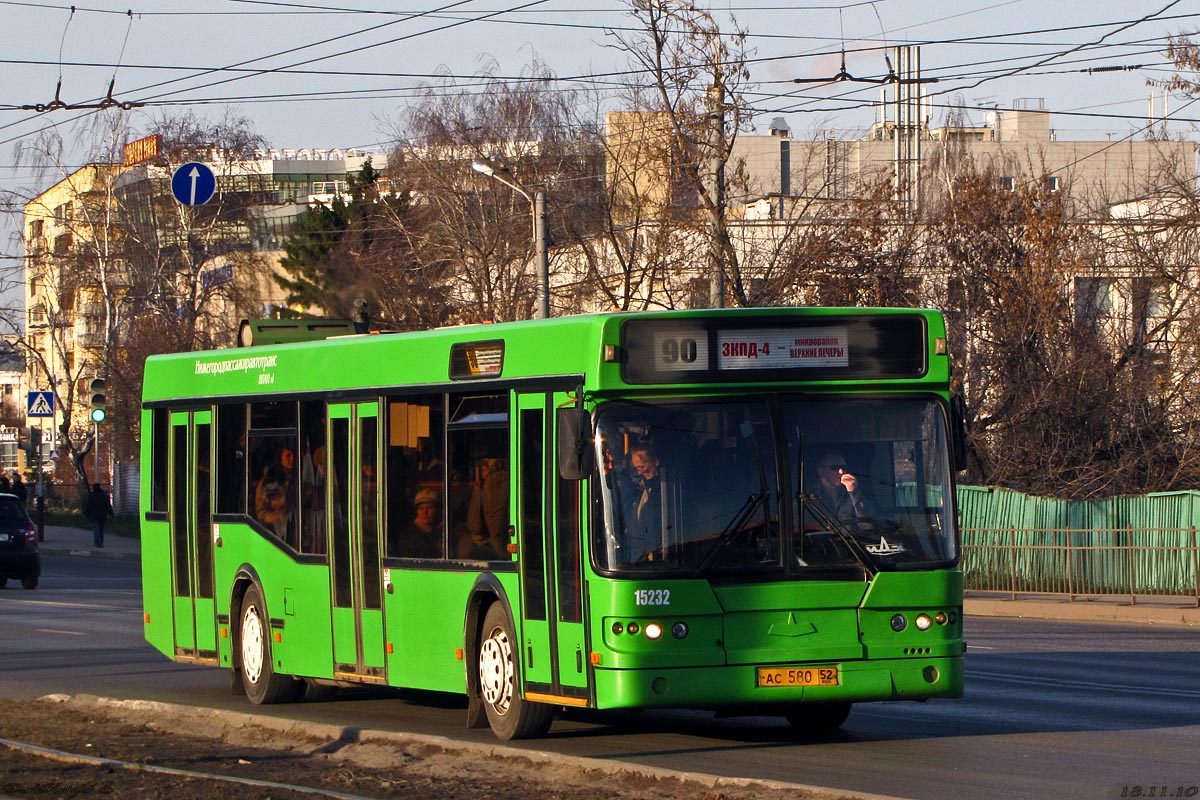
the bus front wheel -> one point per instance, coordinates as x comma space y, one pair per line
262, 684
509, 715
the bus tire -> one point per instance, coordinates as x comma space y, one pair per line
509, 715
816, 718
263, 686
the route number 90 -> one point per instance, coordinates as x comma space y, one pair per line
679, 350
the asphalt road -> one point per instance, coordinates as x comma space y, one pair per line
1052, 709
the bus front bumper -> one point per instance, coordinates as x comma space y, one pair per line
714, 687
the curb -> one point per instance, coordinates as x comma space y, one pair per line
335, 733
1085, 611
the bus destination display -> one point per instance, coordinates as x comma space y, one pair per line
846, 347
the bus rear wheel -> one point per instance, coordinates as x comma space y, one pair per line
263, 686
816, 718
509, 715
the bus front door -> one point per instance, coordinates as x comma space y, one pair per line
353, 508
190, 512
548, 539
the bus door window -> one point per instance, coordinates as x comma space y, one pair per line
416, 475
567, 515
369, 511
533, 535
479, 453
338, 456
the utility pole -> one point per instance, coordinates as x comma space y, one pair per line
909, 127
717, 232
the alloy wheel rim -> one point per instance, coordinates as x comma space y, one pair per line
252, 645
495, 671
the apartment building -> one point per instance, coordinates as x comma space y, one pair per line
92, 239
1016, 145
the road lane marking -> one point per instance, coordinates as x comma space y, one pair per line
1086, 686
65, 633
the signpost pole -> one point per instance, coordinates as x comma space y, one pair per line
40, 405
41, 487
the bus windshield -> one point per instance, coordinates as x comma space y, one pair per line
815, 487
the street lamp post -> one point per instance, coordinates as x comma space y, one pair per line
496, 167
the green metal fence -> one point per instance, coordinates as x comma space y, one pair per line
1125, 546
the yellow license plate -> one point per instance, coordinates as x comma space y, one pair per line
798, 676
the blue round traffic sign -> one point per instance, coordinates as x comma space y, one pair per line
193, 184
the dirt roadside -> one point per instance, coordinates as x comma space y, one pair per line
135, 737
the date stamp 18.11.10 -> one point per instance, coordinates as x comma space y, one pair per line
1160, 790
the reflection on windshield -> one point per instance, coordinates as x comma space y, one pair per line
681, 480
707, 487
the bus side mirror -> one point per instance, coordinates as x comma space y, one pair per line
958, 431
575, 454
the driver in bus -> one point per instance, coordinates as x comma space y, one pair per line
643, 512
838, 488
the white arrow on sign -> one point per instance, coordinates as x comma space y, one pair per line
194, 175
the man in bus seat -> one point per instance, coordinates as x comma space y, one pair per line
422, 538
272, 503
487, 511
838, 489
643, 510
312, 502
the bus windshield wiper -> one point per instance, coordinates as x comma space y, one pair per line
744, 513
810, 502
730, 532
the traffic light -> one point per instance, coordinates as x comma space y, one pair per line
29, 439
99, 401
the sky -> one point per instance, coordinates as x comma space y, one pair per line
334, 73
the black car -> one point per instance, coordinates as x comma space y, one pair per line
18, 544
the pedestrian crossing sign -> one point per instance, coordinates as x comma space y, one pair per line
40, 404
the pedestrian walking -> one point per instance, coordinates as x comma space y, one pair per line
99, 509
18, 487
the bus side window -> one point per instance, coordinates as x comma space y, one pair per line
415, 475
274, 485
231, 459
478, 514
158, 465
313, 467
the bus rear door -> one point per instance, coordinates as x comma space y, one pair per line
190, 511
548, 536
353, 507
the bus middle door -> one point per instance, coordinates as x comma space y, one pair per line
548, 542
353, 508
192, 536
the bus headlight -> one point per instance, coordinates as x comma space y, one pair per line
653, 630
924, 622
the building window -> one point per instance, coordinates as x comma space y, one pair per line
1008, 182
1052, 183
1093, 299
329, 187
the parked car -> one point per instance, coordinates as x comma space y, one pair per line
19, 557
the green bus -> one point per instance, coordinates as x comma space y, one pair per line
749, 511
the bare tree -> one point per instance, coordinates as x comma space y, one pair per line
479, 225
695, 79
76, 274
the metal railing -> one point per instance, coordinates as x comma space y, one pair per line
1103, 562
